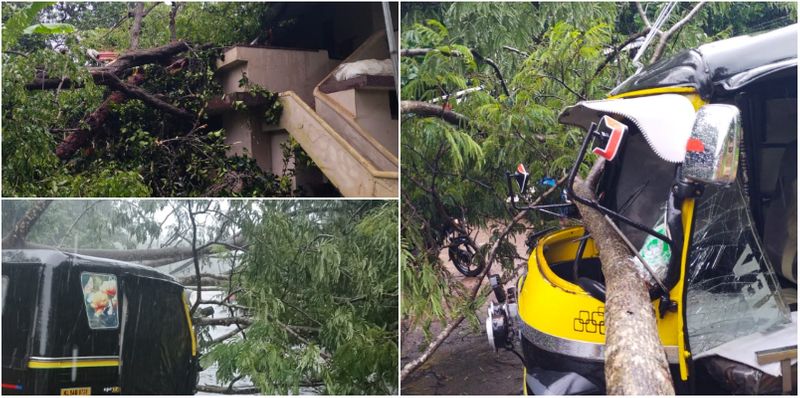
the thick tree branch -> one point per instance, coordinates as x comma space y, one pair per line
414, 52
222, 321
192, 279
132, 91
124, 62
635, 361
424, 109
227, 390
166, 255
23, 227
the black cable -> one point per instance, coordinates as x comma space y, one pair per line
517, 354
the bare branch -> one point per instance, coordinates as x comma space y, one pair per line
83, 213
520, 52
617, 49
643, 15
666, 36
228, 335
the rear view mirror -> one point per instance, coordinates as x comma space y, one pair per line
712, 151
521, 176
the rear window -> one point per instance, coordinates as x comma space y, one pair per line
100, 300
20, 292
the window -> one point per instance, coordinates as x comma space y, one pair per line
100, 300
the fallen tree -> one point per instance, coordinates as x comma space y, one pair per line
635, 361
110, 75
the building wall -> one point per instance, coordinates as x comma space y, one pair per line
237, 132
277, 70
373, 113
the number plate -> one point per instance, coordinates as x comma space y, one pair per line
77, 391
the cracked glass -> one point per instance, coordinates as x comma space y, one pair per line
732, 288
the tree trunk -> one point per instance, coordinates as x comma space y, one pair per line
635, 361
95, 122
136, 28
173, 36
161, 256
23, 227
109, 76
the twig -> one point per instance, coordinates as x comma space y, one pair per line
228, 335
520, 52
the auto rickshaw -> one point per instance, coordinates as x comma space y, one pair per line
79, 325
700, 180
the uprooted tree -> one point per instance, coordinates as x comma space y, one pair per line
130, 119
482, 86
309, 288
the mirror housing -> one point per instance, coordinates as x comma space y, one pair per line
712, 151
521, 176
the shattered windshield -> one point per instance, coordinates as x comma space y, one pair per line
732, 288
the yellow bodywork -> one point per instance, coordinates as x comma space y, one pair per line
554, 306
557, 307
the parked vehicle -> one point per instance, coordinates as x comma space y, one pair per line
78, 325
701, 179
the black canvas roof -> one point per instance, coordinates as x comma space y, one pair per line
55, 258
724, 65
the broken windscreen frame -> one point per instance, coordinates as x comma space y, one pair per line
732, 288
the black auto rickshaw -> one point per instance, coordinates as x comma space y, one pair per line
78, 325
701, 178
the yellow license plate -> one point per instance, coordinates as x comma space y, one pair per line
77, 391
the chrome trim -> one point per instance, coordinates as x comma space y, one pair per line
575, 348
78, 359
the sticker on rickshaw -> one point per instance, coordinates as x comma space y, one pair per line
100, 298
612, 131
76, 391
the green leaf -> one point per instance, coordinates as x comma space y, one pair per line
13, 27
49, 29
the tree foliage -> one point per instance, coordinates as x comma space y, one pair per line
138, 150
324, 291
549, 56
